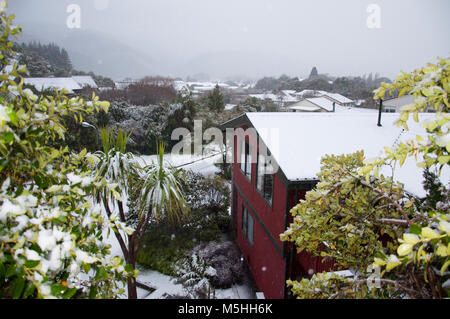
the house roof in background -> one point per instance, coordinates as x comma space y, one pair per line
339, 98
305, 108
85, 80
399, 101
322, 102
58, 83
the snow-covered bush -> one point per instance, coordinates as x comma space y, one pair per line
209, 199
195, 276
165, 245
225, 258
51, 234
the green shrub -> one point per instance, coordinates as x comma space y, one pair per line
166, 245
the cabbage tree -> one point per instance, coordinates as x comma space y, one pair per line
149, 190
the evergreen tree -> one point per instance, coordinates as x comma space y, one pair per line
215, 100
436, 192
51, 52
313, 73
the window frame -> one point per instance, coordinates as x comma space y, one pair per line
244, 165
261, 191
245, 225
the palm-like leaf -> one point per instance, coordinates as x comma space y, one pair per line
162, 190
117, 167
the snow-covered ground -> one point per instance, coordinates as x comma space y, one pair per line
200, 164
165, 285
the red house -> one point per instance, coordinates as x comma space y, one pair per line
262, 199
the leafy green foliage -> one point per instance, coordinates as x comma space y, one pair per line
117, 142
167, 244
415, 259
424, 247
51, 234
342, 217
165, 247
422, 258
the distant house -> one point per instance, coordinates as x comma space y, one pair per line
339, 99
85, 81
314, 104
73, 84
309, 93
281, 98
395, 105
261, 200
41, 84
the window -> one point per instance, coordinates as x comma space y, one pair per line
247, 224
246, 159
264, 178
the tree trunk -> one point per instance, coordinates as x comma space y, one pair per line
132, 285
132, 288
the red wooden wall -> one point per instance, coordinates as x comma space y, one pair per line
265, 257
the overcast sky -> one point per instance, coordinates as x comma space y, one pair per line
269, 37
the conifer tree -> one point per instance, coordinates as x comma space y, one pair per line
215, 100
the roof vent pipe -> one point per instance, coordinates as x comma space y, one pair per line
379, 112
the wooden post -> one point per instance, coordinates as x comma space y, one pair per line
379, 112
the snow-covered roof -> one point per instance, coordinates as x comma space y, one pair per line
290, 96
85, 80
58, 83
339, 98
299, 140
311, 92
305, 108
264, 96
322, 102
284, 95
399, 101
353, 109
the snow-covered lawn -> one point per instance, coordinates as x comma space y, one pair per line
165, 285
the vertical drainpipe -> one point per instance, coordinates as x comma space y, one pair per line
379, 112
286, 256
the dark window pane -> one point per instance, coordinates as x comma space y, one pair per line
268, 187
250, 229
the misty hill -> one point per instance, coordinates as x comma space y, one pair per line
93, 51
237, 63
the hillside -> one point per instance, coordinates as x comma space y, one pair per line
93, 51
